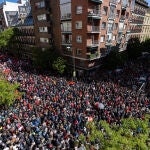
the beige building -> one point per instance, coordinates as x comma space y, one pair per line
146, 26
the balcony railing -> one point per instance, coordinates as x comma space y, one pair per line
66, 17
109, 30
111, 16
92, 43
66, 29
124, 5
94, 13
120, 29
108, 42
113, 1
94, 29
97, 1
122, 18
119, 40
66, 42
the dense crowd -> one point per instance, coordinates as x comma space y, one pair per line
53, 112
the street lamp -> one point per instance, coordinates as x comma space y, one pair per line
73, 58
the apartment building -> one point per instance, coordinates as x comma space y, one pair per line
138, 15
26, 35
43, 25
146, 26
91, 29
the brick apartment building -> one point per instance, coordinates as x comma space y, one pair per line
146, 26
91, 28
138, 14
84, 31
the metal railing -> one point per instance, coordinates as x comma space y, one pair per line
113, 1
66, 16
94, 12
93, 43
66, 29
66, 41
94, 29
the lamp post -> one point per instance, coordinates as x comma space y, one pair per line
73, 58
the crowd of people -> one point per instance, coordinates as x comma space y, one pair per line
53, 112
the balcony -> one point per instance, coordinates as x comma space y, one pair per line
97, 1
93, 29
124, 6
120, 30
66, 17
122, 18
93, 43
108, 42
128, 31
130, 20
119, 40
113, 2
66, 42
111, 16
109, 30
66, 30
94, 14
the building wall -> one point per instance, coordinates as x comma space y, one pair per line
2, 19
138, 18
92, 47
44, 40
146, 26
26, 41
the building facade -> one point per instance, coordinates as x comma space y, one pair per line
90, 29
146, 26
138, 15
25, 28
41, 11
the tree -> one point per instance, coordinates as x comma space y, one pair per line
115, 58
7, 37
132, 134
134, 48
59, 64
8, 92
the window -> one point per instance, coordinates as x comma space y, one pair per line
66, 26
43, 29
79, 10
124, 26
65, 10
40, 4
41, 17
127, 15
114, 37
103, 25
78, 51
102, 38
118, 13
44, 40
110, 27
105, 9
115, 26
78, 24
79, 39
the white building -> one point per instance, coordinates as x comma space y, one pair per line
9, 13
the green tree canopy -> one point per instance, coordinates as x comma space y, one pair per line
59, 64
7, 37
132, 134
8, 92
